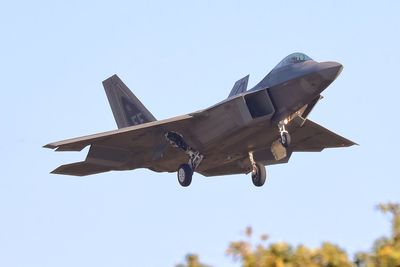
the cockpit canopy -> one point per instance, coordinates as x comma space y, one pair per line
293, 58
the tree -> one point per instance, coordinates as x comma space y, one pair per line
192, 260
284, 255
385, 251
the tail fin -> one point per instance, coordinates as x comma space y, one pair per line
239, 86
126, 107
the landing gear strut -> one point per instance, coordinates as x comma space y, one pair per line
258, 173
185, 171
285, 136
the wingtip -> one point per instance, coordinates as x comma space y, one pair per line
50, 146
350, 143
55, 171
58, 171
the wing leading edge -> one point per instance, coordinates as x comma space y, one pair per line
140, 146
79, 143
312, 137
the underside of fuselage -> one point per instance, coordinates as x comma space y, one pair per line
251, 129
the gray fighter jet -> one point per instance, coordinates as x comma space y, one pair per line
241, 134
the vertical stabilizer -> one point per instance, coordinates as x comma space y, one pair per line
240, 86
126, 107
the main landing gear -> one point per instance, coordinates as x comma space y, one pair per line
285, 136
185, 171
258, 173
185, 174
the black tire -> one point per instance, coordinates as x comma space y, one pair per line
259, 176
185, 174
285, 139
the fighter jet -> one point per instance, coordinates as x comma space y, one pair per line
239, 135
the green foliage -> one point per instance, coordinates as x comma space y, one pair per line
192, 260
384, 253
284, 255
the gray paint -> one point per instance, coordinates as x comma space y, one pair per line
224, 133
240, 86
126, 107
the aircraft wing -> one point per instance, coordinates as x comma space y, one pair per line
139, 146
117, 137
312, 137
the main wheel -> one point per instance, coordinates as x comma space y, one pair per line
285, 139
185, 174
259, 176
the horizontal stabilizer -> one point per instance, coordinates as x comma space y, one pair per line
240, 86
82, 168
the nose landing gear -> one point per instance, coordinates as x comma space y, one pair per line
285, 136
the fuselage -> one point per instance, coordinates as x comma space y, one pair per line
248, 130
250, 120
297, 81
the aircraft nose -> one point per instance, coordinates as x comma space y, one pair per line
330, 70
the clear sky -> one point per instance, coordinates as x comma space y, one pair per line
177, 57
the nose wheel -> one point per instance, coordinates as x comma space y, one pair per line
285, 139
285, 136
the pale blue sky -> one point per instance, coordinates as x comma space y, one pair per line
177, 57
